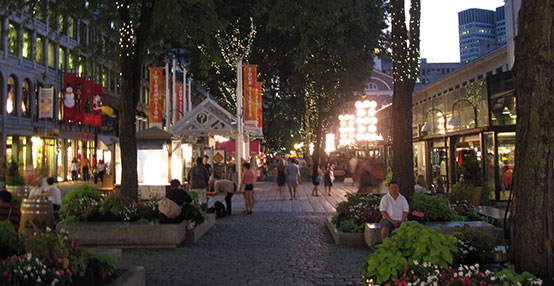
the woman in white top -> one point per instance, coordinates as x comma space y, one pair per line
421, 185
39, 188
74, 169
53, 194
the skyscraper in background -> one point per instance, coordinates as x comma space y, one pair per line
481, 31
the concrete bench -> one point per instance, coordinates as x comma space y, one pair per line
136, 234
344, 238
372, 231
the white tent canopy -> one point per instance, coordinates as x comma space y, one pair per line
206, 119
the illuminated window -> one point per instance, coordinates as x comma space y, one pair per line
12, 96
72, 61
13, 40
51, 55
40, 50
371, 86
25, 98
27, 44
61, 59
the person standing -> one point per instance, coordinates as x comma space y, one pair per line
7, 211
247, 181
207, 165
421, 186
221, 185
316, 178
329, 177
100, 171
198, 179
394, 208
281, 179
293, 174
74, 169
85, 164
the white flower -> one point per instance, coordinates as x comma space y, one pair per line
25, 277
435, 283
43, 272
460, 274
48, 229
471, 267
409, 284
38, 279
477, 265
416, 263
493, 278
425, 264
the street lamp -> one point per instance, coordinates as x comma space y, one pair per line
454, 121
427, 128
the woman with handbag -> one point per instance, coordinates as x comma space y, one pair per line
329, 177
316, 179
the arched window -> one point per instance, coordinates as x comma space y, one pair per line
26, 98
11, 99
371, 86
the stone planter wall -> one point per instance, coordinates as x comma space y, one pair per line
136, 234
344, 238
135, 276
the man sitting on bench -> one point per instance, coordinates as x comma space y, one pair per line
394, 208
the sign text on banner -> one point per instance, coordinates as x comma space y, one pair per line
250, 98
259, 105
180, 91
156, 96
46, 102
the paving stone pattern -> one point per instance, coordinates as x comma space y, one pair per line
282, 243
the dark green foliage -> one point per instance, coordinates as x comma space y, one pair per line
114, 205
471, 172
435, 208
104, 266
12, 173
81, 192
475, 245
9, 241
462, 192
411, 242
358, 209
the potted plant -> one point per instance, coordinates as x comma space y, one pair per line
15, 183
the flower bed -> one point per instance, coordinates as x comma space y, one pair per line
51, 258
357, 210
417, 255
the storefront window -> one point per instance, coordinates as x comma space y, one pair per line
438, 163
467, 148
503, 109
27, 44
44, 156
506, 162
489, 147
72, 63
12, 96
71, 27
13, 39
61, 59
25, 98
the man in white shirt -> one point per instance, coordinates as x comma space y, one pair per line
394, 208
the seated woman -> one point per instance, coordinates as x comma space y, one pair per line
421, 186
181, 198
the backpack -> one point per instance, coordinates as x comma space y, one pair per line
169, 208
219, 209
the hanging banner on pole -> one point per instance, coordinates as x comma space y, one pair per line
46, 102
180, 91
69, 100
249, 92
259, 106
88, 116
97, 105
156, 96
80, 98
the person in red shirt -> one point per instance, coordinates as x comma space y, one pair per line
7, 211
247, 181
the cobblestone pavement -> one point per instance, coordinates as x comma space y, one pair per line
266, 248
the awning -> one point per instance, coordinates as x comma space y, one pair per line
230, 147
104, 141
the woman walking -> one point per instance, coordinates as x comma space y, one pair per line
329, 177
248, 181
316, 178
74, 169
281, 178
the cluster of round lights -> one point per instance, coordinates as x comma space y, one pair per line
359, 127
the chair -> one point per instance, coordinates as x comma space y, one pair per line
107, 188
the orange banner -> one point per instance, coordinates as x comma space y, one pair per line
250, 95
156, 96
180, 91
259, 105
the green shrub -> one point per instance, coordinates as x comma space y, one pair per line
104, 266
114, 205
412, 241
360, 208
486, 195
435, 208
471, 172
524, 278
81, 192
79, 209
462, 192
9, 241
351, 225
475, 245
12, 172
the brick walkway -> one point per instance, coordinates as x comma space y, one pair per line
282, 243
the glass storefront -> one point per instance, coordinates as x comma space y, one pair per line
438, 163
506, 161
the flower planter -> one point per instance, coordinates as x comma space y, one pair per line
372, 231
135, 276
344, 238
136, 234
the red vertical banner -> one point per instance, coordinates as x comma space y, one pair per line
97, 105
79, 99
180, 91
156, 96
259, 105
250, 98
88, 93
69, 100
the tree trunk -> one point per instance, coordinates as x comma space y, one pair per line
532, 220
405, 65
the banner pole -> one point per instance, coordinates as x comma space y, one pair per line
167, 105
173, 93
